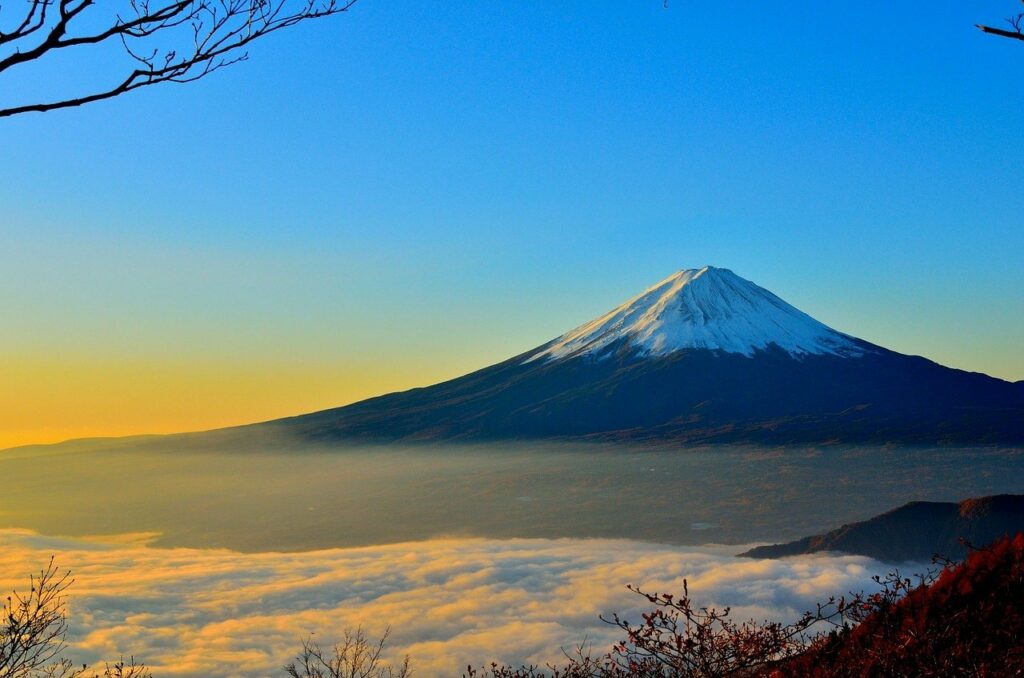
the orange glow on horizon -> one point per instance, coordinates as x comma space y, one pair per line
48, 401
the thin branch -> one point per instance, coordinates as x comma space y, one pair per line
1016, 24
1017, 35
218, 31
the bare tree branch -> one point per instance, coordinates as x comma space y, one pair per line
356, 656
999, 31
173, 41
1016, 24
33, 633
34, 625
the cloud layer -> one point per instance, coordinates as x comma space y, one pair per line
192, 613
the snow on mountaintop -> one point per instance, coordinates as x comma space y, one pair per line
707, 308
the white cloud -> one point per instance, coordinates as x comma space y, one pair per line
208, 613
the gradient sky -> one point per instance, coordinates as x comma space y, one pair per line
414, 190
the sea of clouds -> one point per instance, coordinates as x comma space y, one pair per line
202, 613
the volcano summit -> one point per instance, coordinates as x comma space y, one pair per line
708, 308
704, 356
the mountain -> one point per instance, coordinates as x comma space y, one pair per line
702, 356
710, 308
915, 531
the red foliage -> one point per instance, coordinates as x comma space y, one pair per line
969, 622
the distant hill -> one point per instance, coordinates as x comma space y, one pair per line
703, 356
915, 531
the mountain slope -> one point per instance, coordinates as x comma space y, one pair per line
967, 622
915, 531
703, 356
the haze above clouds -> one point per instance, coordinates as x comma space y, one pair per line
261, 495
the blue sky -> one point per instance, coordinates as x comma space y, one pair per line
411, 191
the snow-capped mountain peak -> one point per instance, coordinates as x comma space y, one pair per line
706, 308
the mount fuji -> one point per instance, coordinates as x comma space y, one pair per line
704, 356
708, 308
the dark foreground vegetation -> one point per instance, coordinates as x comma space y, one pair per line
34, 629
961, 619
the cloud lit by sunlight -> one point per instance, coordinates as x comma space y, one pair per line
212, 612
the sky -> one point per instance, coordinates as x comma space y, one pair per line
411, 191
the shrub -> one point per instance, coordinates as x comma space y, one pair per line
354, 657
960, 620
33, 633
